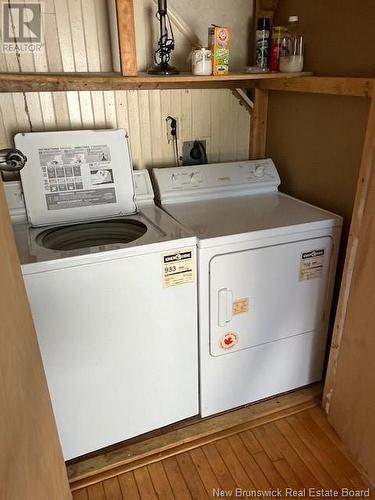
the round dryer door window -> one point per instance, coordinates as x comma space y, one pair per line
92, 234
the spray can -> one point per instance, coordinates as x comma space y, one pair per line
262, 41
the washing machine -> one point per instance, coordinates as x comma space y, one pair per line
111, 281
266, 272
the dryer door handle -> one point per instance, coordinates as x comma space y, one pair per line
225, 306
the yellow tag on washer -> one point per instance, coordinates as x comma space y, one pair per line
177, 267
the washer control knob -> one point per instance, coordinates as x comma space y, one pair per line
259, 171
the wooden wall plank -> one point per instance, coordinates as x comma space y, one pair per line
122, 110
78, 35
216, 99
186, 125
350, 386
135, 128
228, 132
158, 135
31, 461
360, 207
165, 111
102, 28
258, 131
91, 35
126, 27
98, 108
86, 107
64, 35
145, 126
110, 109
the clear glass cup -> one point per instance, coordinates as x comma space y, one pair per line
291, 54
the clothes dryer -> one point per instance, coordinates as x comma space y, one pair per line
266, 272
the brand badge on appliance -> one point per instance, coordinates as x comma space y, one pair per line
311, 265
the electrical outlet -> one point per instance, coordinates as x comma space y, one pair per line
187, 146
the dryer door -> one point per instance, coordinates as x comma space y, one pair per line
266, 294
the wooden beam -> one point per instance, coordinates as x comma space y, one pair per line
47, 82
126, 32
366, 171
360, 87
349, 397
258, 128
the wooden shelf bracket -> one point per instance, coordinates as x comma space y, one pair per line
243, 99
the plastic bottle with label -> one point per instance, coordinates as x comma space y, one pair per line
262, 42
292, 48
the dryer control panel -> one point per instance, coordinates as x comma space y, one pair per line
203, 182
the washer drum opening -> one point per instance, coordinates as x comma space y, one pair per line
91, 234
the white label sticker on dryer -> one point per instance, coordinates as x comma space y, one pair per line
77, 176
311, 265
177, 267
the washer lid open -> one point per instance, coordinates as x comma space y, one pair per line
76, 175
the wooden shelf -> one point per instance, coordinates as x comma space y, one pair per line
49, 82
290, 82
345, 86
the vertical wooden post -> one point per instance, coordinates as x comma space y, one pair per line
258, 127
258, 124
126, 32
349, 396
365, 173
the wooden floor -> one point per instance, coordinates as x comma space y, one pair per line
296, 451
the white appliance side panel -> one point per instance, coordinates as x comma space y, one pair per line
119, 350
266, 294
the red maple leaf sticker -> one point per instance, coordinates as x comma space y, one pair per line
228, 340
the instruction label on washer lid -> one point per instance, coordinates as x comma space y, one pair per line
177, 267
77, 176
311, 265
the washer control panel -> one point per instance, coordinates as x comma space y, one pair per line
202, 182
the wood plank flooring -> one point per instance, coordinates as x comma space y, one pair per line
298, 451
